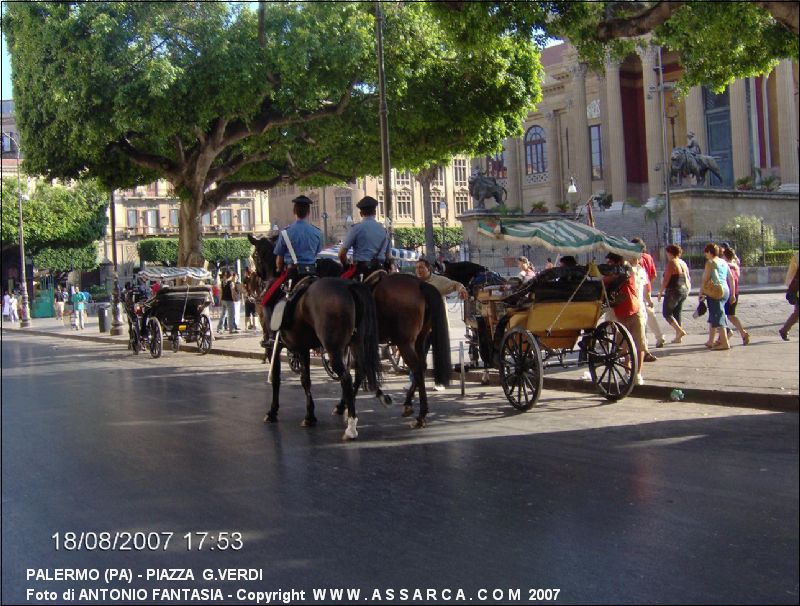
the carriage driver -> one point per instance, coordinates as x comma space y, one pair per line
369, 240
295, 258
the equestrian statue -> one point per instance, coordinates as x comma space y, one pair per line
481, 186
689, 160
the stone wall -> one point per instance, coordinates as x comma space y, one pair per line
702, 211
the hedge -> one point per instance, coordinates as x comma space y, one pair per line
67, 259
215, 250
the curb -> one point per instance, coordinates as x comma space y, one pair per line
751, 399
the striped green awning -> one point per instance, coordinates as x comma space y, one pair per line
559, 235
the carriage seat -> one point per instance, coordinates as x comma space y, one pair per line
170, 302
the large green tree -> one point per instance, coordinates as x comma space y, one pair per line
717, 41
193, 92
62, 224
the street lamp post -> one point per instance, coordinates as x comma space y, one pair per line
25, 315
665, 155
443, 220
116, 321
226, 236
672, 113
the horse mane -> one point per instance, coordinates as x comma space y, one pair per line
264, 256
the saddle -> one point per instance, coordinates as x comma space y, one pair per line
283, 311
376, 276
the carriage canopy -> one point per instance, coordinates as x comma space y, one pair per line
174, 273
559, 235
332, 252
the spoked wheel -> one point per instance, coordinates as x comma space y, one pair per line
396, 360
295, 362
176, 341
154, 334
612, 360
521, 368
326, 362
205, 336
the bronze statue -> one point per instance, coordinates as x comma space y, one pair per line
482, 186
684, 162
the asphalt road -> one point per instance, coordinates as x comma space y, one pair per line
634, 502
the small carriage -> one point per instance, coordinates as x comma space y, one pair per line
176, 311
556, 314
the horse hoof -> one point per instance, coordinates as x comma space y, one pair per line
419, 424
308, 423
351, 433
271, 418
384, 399
408, 411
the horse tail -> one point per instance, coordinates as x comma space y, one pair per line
366, 336
440, 335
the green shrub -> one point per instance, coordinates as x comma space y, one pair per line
779, 258
745, 232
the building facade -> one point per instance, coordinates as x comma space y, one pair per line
612, 131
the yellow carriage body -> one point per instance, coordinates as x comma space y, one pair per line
557, 324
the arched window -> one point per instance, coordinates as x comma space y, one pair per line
535, 151
496, 165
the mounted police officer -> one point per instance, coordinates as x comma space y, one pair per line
369, 240
295, 254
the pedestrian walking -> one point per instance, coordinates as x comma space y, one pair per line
675, 287
645, 301
236, 293
716, 289
730, 257
792, 296
249, 301
652, 325
13, 308
78, 307
226, 299
627, 309
7, 305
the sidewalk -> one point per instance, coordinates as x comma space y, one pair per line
765, 374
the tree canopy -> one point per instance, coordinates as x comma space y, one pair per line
717, 41
189, 91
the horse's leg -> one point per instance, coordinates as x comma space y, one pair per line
349, 396
305, 381
272, 415
412, 360
422, 353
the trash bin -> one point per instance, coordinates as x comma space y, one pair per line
102, 317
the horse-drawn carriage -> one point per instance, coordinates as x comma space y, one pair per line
556, 314
176, 311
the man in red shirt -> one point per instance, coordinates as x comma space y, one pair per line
628, 311
649, 266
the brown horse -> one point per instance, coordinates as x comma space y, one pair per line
336, 315
411, 314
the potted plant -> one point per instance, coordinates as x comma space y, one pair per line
539, 207
744, 183
563, 206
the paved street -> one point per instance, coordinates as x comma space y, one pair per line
639, 501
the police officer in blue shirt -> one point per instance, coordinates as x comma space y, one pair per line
369, 240
306, 241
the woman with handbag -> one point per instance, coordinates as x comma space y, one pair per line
717, 288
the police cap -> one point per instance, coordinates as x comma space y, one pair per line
303, 201
367, 203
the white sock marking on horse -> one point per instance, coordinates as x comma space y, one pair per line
351, 433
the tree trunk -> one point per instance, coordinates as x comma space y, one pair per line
425, 177
191, 234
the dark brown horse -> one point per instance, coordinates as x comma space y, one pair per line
411, 314
336, 315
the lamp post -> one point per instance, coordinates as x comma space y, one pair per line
664, 166
226, 236
116, 321
672, 113
443, 220
25, 316
324, 228
383, 116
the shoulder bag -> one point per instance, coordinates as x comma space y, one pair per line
711, 288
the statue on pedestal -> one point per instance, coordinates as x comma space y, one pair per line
481, 186
689, 160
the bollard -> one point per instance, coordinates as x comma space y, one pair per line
461, 364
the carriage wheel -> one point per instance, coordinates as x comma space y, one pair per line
295, 362
396, 360
612, 360
521, 368
326, 363
154, 333
176, 341
205, 336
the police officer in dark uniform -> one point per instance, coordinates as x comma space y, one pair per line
369, 240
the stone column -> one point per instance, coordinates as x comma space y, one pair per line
787, 123
580, 162
652, 120
740, 130
696, 118
615, 132
554, 172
